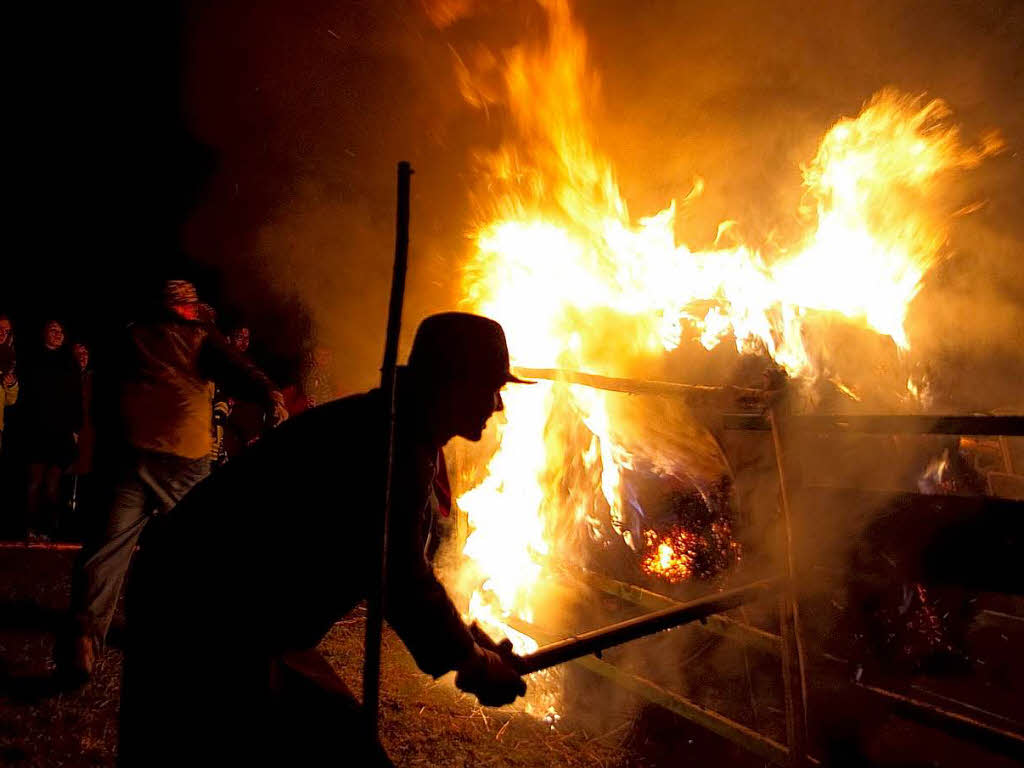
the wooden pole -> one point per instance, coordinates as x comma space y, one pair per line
718, 624
378, 589
909, 424
642, 626
697, 395
793, 676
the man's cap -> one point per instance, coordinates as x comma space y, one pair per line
455, 345
179, 292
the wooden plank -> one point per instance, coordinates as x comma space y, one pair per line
698, 395
910, 424
884, 424
988, 736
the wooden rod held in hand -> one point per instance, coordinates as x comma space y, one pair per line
616, 634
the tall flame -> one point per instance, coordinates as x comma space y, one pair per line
577, 283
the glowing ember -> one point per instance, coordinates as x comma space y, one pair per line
679, 554
579, 284
670, 556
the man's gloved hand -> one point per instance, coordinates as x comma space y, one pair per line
503, 649
489, 677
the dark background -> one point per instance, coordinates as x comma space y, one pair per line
251, 146
105, 168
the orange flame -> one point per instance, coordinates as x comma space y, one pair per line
577, 283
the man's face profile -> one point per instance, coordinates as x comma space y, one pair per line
474, 404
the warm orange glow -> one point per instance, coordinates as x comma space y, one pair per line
670, 557
580, 284
680, 555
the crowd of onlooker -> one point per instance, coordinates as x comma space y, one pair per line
48, 432
45, 435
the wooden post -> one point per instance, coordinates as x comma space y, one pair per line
793, 678
378, 589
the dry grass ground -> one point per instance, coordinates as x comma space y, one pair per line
424, 723
41, 725
431, 723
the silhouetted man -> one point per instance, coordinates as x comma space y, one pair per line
248, 573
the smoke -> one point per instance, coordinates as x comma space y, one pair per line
308, 111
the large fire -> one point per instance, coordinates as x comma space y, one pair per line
579, 284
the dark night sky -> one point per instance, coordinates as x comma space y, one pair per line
251, 146
105, 171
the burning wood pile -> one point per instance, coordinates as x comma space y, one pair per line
603, 467
581, 286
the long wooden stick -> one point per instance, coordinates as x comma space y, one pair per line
378, 591
718, 624
616, 634
697, 395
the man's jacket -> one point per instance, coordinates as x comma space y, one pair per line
277, 546
166, 374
